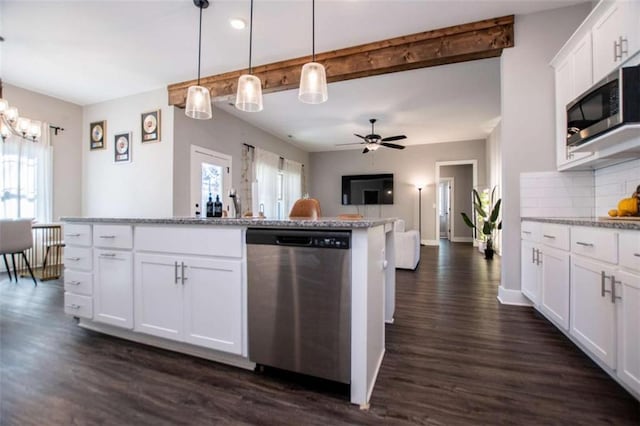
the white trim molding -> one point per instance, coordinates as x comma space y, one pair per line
507, 296
461, 239
430, 242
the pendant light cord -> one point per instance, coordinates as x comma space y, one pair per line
313, 30
199, 44
250, 35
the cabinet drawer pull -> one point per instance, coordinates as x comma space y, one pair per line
526, 232
549, 236
74, 282
74, 306
107, 236
107, 255
580, 243
75, 259
183, 277
533, 255
613, 289
175, 273
72, 235
624, 47
603, 278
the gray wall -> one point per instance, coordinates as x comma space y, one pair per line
528, 137
413, 165
463, 181
67, 146
225, 133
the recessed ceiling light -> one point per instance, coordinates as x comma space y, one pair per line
238, 23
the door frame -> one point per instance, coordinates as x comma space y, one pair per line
450, 223
195, 149
474, 164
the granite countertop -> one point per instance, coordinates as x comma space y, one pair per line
588, 221
324, 222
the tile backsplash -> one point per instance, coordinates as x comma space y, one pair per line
557, 194
614, 183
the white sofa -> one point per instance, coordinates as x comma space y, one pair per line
407, 246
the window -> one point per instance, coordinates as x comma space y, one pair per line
279, 184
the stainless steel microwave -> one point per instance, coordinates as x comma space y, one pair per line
612, 102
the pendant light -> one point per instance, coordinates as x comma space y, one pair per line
198, 97
249, 95
313, 79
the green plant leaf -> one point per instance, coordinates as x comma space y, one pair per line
493, 193
496, 212
487, 228
480, 210
467, 220
477, 197
500, 225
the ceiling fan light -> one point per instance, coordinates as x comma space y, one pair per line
249, 95
198, 103
313, 84
372, 146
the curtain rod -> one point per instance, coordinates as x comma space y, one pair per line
56, 129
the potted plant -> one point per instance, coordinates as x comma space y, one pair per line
488, 218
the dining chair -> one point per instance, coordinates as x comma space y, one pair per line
15, 238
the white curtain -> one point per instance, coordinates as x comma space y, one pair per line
292, 171
267, 170
26, 178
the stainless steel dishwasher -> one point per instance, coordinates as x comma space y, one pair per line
299, 301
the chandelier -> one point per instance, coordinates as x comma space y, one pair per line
12, 124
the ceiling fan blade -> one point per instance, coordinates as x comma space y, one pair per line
360, 136
352, 143
392, 145
394, 138
364, 151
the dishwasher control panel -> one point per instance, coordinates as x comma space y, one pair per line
330, 242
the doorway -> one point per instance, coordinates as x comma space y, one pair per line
446, 187
210, 174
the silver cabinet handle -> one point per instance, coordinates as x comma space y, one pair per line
108, 255
74, 282
75, 259
533, 255
175, 273
613, 289
616, 56
107, 236
549, 236
74, 306
71, 235
526, 232
624, 46
182, 270
603, 277
538, 261
580, 243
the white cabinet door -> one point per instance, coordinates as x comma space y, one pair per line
113, 292
582, 66
158, 296
615, 38
555, 285
593, 315
213, 303
529, 272
564, 91
628, 288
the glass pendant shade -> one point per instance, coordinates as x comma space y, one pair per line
4, 131
35, 129
313, 84
23, 125
4, 104
11, 114
249, 95
198, 103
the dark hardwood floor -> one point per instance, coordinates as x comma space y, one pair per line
455, 356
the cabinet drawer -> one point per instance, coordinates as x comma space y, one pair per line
530, 231
556, 236
630, 250
78, 282
600, 244
219, 241
78, 306
113, 236
78, 258
77, 235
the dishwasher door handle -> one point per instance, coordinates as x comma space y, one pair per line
295, 241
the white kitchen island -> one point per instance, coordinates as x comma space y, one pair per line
181, 284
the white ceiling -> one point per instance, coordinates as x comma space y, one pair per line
88, 51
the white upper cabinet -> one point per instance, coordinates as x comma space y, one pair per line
615, 37
582, 66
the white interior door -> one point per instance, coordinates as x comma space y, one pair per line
445, 188
210, 173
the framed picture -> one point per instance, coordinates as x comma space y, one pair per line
122, 147
97, 135
150, 126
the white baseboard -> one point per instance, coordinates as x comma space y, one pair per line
462, 239
430, 242
512, 297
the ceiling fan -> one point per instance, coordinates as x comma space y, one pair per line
374, 141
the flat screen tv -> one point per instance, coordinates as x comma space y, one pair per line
367, 189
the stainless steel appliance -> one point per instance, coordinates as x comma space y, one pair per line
299, 301
612, 102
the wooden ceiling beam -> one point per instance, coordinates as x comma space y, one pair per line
460, 43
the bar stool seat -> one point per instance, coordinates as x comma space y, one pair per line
15, 238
